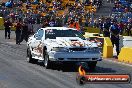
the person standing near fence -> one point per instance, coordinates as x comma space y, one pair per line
18, 32
121, 26
129, 29
114, 35
7, 25
24, 34
106, 26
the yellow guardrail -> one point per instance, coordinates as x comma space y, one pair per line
1, 23
97, 30
92, 30
125, 55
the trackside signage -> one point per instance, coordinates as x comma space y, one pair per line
83, 78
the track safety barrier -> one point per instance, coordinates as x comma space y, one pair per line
107, 48
1, 23
92, 30
125, 55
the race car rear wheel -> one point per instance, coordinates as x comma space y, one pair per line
47, 62
92, 65
29, 57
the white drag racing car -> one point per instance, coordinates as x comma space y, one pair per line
61, 44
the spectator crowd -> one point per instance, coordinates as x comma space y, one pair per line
72, 13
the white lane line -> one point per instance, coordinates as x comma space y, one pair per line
121, 63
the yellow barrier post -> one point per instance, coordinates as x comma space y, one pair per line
125, 55
107, 48
1, 23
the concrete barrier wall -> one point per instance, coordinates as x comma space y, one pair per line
33, 27
125, 55
107, 48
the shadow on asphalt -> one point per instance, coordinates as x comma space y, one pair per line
61, 67
67, 67
104, 70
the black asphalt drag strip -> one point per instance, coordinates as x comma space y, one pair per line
16, 72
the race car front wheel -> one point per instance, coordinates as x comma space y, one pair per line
47, 62
29, 57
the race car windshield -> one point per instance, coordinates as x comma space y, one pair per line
53, 33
